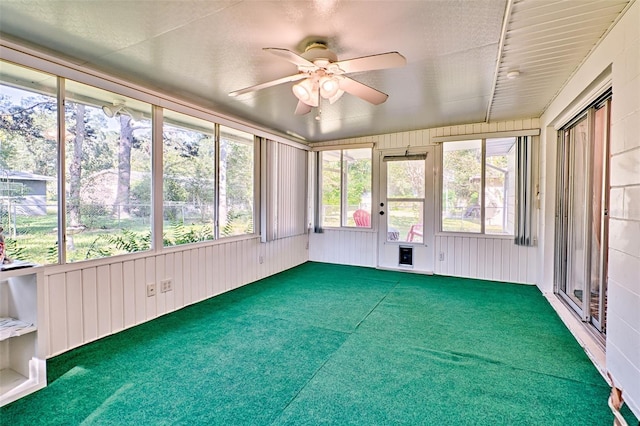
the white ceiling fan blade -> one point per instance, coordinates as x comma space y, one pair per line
362, 91
373, 62
302, 108
290, 56
282, 80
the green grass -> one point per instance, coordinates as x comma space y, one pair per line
37, 235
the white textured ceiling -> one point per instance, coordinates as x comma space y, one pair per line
456, 60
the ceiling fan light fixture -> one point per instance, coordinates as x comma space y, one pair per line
328, 87
306, 92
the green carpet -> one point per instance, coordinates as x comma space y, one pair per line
331, 344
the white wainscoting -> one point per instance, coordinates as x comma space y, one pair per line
85, 303
344, 246
485, 257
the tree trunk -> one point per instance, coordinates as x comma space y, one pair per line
123, 196
75, 170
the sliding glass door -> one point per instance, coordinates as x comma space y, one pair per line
582, 213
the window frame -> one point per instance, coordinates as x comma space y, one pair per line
483, 137
319, 227
61, 73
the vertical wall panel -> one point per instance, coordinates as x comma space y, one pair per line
482, 258
208, 272
186, 280
161, 298
140, 276
509, 259
74, 308
473, 257
129, 294
89, 304
57, 316
150, 277
117, 298
104, 300
178, 284
169, 264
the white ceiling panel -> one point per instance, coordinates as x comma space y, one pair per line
201, 50
546, 40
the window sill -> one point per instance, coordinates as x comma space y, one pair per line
475, 235
347, 228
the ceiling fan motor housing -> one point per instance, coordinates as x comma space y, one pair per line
319, 54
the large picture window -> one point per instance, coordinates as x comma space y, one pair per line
478, 186
236, 185
108, 173
28, 158
345, 188
103, 162
188, 179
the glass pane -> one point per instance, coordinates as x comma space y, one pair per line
236, 182
500, 186
28, 158
357, 165
461, 186
404, 221
188, 179
108, 182
578, 236
405, 179
330, 170
597, 208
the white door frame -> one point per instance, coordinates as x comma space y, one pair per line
389, 251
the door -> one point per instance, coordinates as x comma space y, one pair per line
582, 215
406, 210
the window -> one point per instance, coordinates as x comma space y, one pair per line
188, 179
478, 186
28, 158
108, 173
345, 187
104, 164
236, 182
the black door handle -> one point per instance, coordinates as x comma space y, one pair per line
381, 213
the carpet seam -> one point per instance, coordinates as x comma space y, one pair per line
349, 335
376, 305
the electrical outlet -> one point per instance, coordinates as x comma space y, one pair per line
261, 259
166, 285
441, 256
151, 290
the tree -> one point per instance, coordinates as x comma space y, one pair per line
126, 142
75, 168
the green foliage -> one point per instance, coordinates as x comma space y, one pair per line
52, 253
186, 235
12, 249
130, 241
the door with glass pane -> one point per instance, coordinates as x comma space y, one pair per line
406, 210
582, 214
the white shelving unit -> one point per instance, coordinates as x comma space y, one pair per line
22, 343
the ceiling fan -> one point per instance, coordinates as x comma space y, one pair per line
321, 75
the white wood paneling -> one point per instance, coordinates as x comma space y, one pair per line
89, 304
90, 300
485, 257
344, 246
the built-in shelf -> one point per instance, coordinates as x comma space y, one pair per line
11, 327
22, 356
